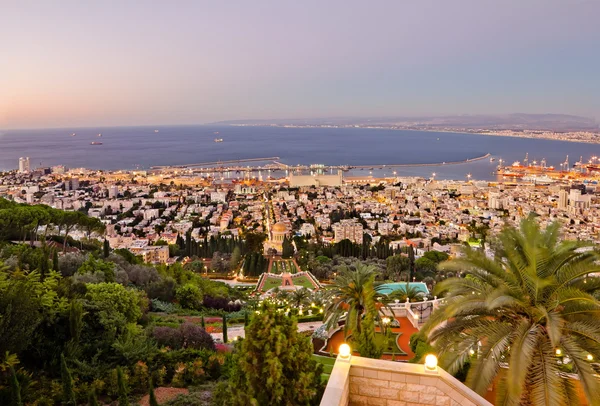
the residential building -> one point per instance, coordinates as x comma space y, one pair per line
349, 229
24, 166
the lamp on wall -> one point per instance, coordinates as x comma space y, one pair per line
431, 362
344, 352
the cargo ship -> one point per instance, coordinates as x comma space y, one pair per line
95, 143
218, 139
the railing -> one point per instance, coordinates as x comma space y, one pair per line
416, 312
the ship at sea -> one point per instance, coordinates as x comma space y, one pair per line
155, 131
95, 143
73, 135
218, 139
99, 135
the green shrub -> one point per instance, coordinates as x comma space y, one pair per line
165, 307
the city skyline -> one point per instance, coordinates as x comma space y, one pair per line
101, 64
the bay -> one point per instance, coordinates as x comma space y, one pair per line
142, 147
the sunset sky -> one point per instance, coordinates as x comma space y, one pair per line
101, 63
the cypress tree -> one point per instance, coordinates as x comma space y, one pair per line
15, 389
106, 248
245, 318
44, 263
367, 347
55, 266
67, 383
180, 241
153, 401
188, 244
224, 329
273, 369
252, 267
92, 399
122, 389
411, 257
202, 323
75, 320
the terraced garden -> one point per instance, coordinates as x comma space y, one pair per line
280, 266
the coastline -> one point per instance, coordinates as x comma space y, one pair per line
492, 134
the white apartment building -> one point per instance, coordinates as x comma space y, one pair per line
563, 199
24, 166
348, 229
495, 201
218, 197
113, 192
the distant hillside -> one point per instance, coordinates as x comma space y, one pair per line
517, 121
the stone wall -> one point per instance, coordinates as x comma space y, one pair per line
386, 383
371, 387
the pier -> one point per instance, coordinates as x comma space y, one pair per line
231, 161
479, 158
276, 165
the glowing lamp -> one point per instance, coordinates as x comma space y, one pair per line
472, 351
590, 357
344, 351
431, 362
558, 352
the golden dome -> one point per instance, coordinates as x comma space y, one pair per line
279, 228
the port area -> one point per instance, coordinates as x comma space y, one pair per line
539, 173
274, 164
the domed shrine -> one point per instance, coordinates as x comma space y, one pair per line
278, 233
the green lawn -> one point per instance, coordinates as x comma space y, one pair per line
271, 283
327, 363
303, 281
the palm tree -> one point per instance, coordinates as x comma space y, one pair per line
300, 296
529, 309
412, 293
353, 295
